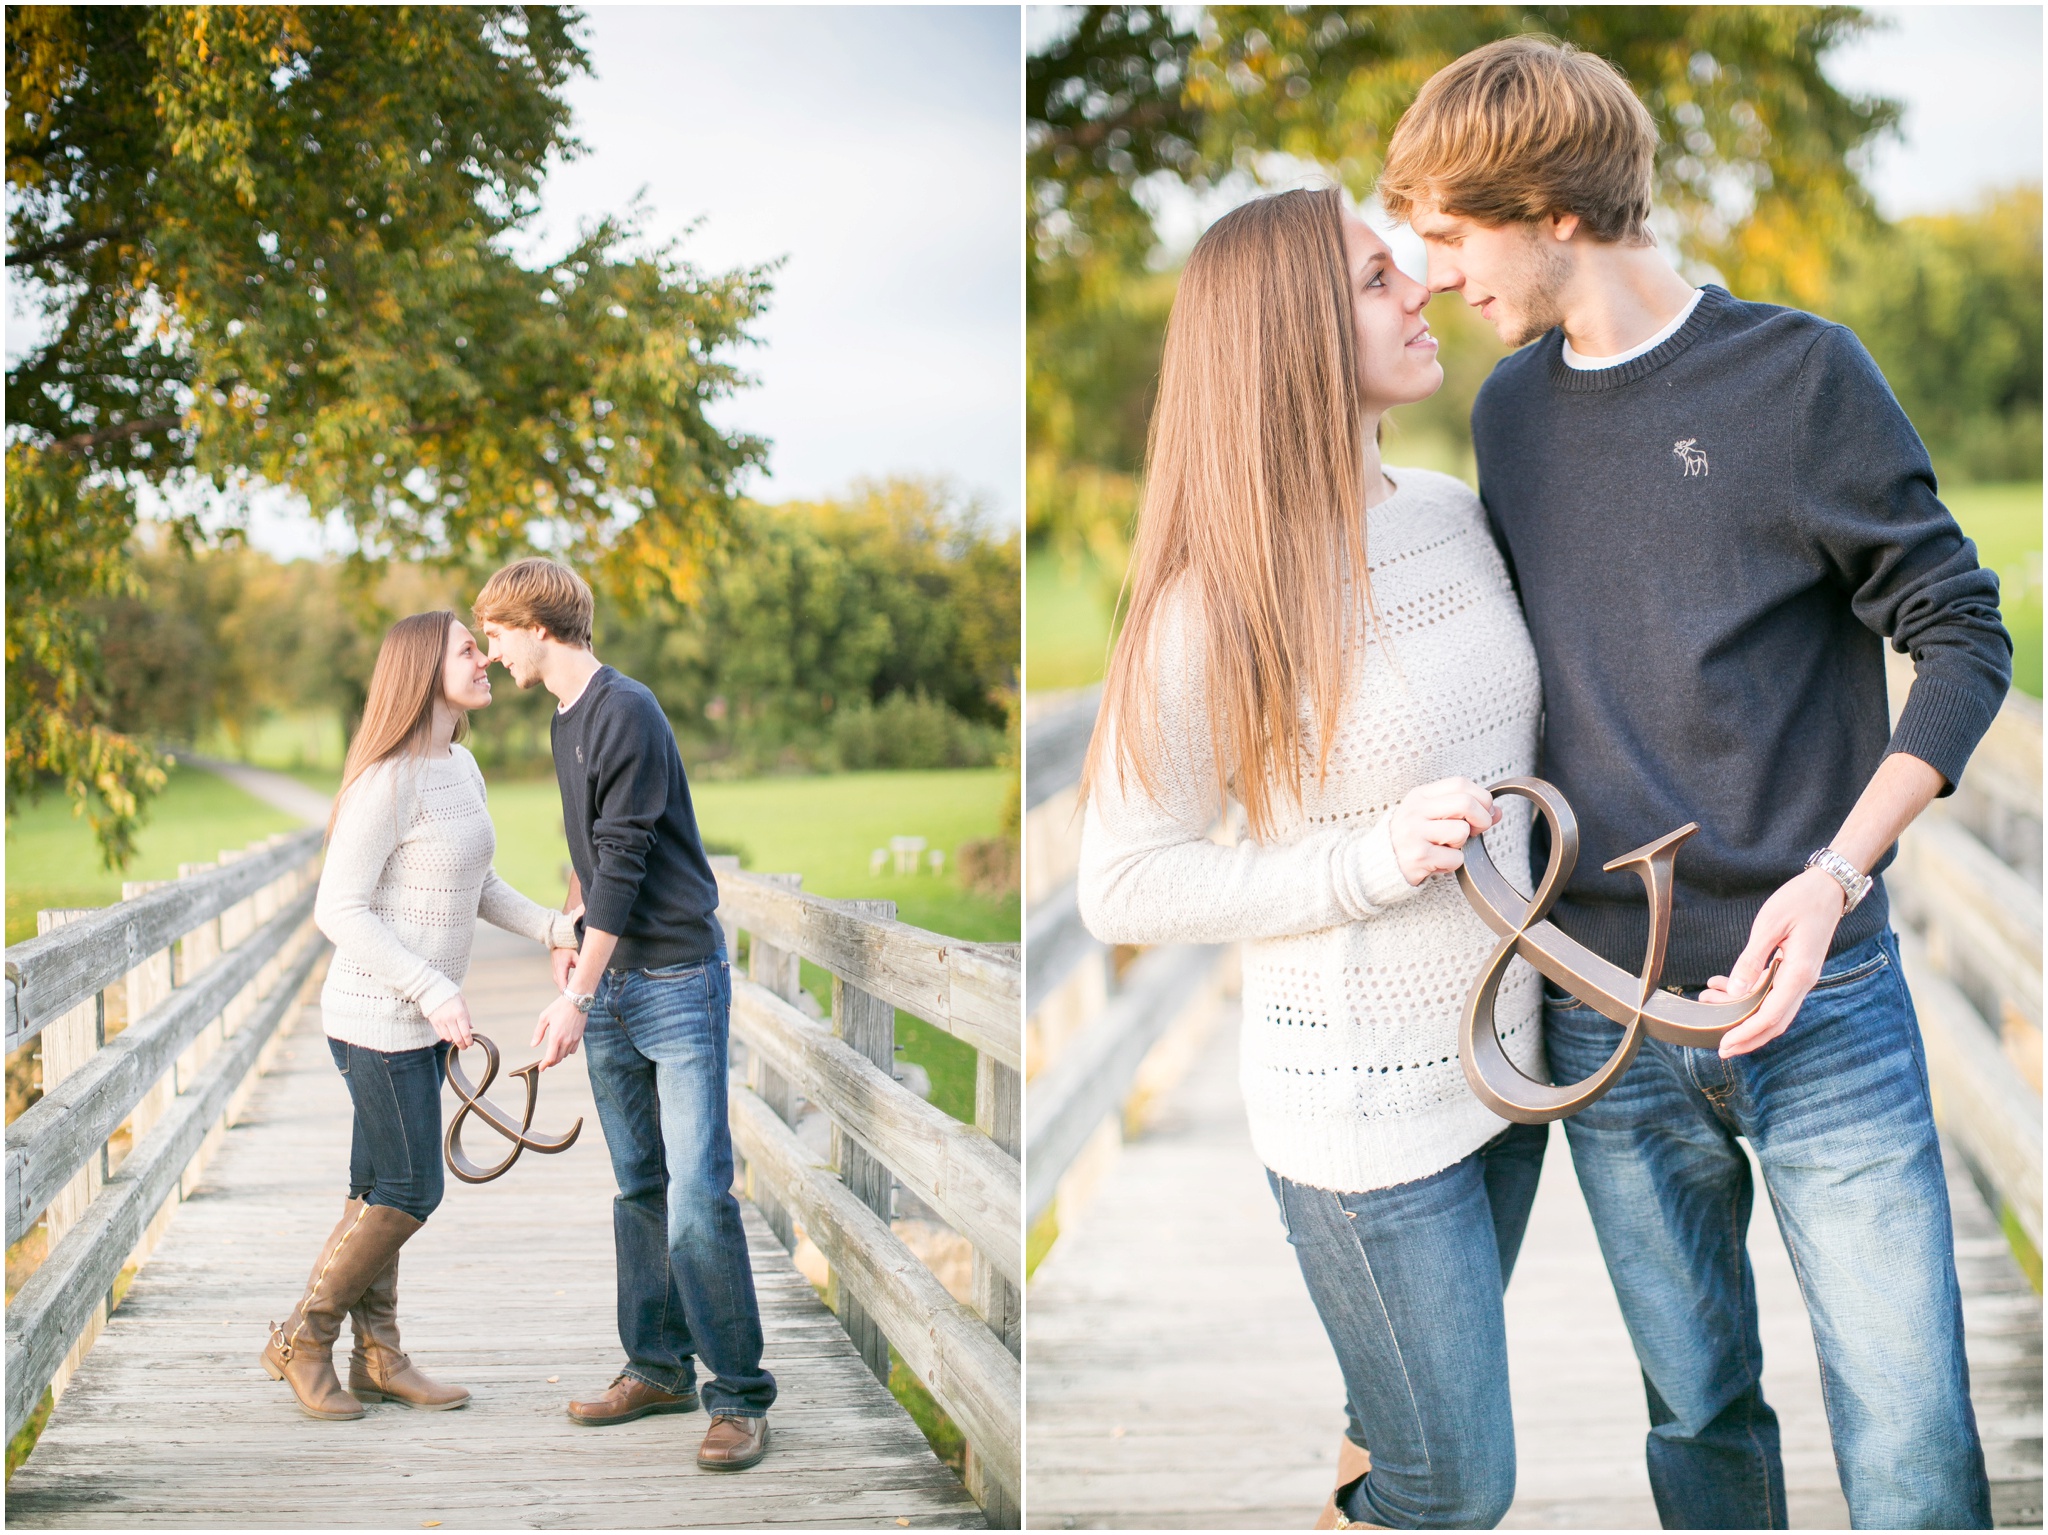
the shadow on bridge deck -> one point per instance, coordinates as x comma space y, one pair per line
509, 1291
1179, 1377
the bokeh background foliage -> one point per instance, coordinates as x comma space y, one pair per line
1134, 108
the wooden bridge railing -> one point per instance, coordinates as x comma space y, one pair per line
1089, 1045
883, 1133
1966, 891
151, 1014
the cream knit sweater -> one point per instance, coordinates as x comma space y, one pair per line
1354, 981
408, 872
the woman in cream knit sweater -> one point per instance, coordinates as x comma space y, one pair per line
408, 873
1335, 647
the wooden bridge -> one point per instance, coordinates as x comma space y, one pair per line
1179, 1376
189, 1151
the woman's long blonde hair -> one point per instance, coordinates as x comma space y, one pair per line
1253, 517
404, 686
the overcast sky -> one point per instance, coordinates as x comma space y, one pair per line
878, 152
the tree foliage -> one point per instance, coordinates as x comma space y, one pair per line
270, 245
1950, 307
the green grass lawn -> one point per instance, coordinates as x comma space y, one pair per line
52, 859
2005, 523
309, 741
1066, 622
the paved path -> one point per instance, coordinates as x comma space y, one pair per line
508, 1290
1179, 1377
279, 790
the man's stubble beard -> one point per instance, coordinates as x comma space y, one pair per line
1534, 302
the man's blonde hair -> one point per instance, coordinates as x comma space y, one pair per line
1521, 129
538, 593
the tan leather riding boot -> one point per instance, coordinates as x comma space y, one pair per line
1353, 1461
378, 1369
301, 1351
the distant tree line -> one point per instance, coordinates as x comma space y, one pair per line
875, 631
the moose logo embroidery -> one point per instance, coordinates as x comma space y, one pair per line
1687, 448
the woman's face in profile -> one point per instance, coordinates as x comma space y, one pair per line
465, 673
1396, 353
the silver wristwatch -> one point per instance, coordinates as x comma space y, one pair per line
1855, 886
580, 1000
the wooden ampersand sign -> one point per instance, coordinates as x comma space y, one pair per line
1633, 1001
474, 1102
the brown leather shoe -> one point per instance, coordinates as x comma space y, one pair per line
629, 1397
379, 1370
733, 1444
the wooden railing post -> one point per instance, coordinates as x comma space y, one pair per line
868, 1024
67, 1045
196, 950
143, 988
781, 972
998, 1114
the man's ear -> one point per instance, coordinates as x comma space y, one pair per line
1562, 226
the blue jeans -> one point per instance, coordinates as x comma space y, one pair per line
1408, 1282
394, 1153
657, 1049
1837, 1112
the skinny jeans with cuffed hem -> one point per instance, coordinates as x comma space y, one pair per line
1408, 1282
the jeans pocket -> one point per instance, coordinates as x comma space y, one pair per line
677, 972
1869, 967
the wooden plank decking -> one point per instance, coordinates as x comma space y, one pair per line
1177, 1375
509, 1290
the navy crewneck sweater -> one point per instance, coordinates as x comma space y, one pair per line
1712, 542
631, 828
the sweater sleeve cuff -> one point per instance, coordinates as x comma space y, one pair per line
1941, 724
1375, 879
608, 902
562, 931
439, 989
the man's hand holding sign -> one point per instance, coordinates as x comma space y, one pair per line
1798, 922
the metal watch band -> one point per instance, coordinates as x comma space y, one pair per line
1855, 885
579, 1000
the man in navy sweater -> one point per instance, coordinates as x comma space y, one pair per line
651, 986
1716, 514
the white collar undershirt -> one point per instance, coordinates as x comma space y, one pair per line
1587, 364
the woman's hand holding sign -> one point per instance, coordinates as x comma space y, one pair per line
1430, 825
451, 1021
